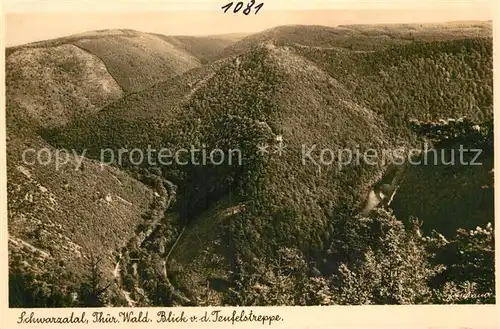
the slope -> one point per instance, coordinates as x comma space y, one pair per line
135, 59
458, 169
62, 213
396, 83
138, 60
55, 81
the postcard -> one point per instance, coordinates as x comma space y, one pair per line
248, 164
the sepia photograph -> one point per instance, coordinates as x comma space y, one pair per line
248, 157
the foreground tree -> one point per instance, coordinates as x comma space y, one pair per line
469, 267
93, 292
394, 267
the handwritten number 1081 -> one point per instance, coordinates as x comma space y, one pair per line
240, 4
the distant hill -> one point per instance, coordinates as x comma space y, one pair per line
361, 37
87, 71
51, 86
90, 70
135, 59
138, 60
205, 48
